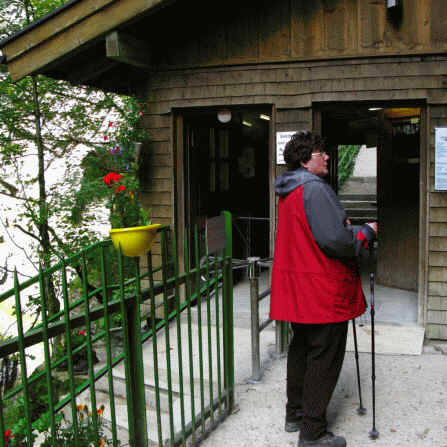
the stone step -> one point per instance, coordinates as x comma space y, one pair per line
362, 219
360, 212
353, 204
119, 390
358, 197
209, 380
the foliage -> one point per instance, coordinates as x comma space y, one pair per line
83, 133
86, 433
14, 411
64, 435
347, 156
111, 172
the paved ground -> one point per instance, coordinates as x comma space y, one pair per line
411, 396
411, 404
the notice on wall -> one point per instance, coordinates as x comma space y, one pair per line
281, 139
441, 158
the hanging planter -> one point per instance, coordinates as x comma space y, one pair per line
134, 241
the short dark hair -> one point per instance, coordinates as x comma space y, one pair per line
300, 147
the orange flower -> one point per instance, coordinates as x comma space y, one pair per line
80, 407
100, 410
102, 443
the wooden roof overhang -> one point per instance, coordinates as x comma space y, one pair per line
92, 42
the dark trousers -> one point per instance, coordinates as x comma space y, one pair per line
314, 361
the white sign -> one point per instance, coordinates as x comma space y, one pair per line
441, 158
281, 139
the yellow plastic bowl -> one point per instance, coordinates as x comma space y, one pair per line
134, 241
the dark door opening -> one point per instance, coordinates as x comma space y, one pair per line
226, 168
381, 183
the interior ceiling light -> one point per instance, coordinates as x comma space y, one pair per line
224, 116
264, 117
392, 3
373, 109
246, 123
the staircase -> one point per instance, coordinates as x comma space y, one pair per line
204, 377
360, 208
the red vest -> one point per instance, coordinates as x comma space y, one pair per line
308, 286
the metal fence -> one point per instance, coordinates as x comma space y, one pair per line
172, 377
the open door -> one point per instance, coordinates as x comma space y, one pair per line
382, 184
398, 198
226, 168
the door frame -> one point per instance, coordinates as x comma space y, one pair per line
178, 138
424, 166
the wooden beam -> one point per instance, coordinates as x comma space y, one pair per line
57, 24
21, 64
90, 71
123, 48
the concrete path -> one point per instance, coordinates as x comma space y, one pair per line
366, 162
411, 404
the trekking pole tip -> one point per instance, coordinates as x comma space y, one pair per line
373, 434
361, 411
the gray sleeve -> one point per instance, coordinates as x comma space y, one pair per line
327, 221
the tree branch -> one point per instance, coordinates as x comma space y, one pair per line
27, 233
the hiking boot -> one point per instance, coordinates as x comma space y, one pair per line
293, 423
328, 440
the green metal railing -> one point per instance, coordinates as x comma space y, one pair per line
173, 378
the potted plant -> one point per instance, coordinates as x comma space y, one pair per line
132, 229
110, 175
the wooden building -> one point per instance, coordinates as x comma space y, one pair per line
221, 80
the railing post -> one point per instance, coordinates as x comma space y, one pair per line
281, 337
253, 274
136, 406
228, 313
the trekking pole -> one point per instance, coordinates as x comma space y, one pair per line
361, 410
373, 434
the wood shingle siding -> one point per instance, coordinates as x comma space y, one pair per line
300, 84
265, 31
436, 317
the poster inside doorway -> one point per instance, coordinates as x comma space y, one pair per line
441, 158
281, 139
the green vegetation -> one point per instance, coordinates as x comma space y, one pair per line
347, 156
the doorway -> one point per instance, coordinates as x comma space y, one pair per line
226, 167
375, 170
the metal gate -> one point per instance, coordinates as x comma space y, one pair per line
144, 347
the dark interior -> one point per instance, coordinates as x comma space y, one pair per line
226, 168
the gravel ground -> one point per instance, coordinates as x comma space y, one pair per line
411, 404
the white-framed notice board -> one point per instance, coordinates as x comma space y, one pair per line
441, 158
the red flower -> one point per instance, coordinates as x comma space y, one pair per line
120, 188
110, 124
8, 435
112, 177
82, 332
105, 137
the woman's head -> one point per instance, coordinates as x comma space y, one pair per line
306, 149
